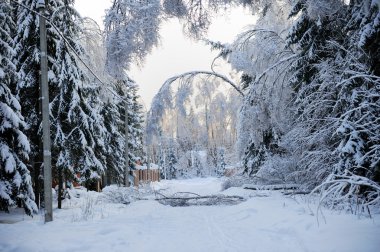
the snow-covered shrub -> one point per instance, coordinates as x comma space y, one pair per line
87, 208
117, 194
125, 195
86, 205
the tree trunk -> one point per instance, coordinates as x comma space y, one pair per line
60, 180
36, 177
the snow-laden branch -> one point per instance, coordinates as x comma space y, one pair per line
293, 56
346, 188
209, 73
247, 35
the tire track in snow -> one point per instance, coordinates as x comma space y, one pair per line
215, 231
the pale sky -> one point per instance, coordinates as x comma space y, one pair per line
176, 53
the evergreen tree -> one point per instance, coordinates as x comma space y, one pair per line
15, 181
359, 92
114, 141
76, 125
221, 163
171, 161
78, 128
114, 119
255, 156
136, 122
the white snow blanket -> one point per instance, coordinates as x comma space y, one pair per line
267, 221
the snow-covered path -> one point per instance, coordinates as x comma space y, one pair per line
267, 221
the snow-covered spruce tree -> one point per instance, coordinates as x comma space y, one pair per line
221, 162
75, 106
127, 90
255, 156
28, 91
15, 181
171, 161
359, 91
114, 141
136, 122
359, 94
114, 108
337, 91
77, 126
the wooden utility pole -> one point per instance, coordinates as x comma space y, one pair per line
45, 115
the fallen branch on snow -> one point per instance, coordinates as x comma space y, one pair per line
272, 187
209, 200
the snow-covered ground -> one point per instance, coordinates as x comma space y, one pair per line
266, 221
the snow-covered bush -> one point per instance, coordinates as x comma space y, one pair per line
87, 207
117, 194
125, 195
236, 181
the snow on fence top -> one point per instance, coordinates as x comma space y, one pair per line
144, 167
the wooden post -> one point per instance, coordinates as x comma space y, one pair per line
45, 115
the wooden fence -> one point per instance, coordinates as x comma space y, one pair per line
146, 175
